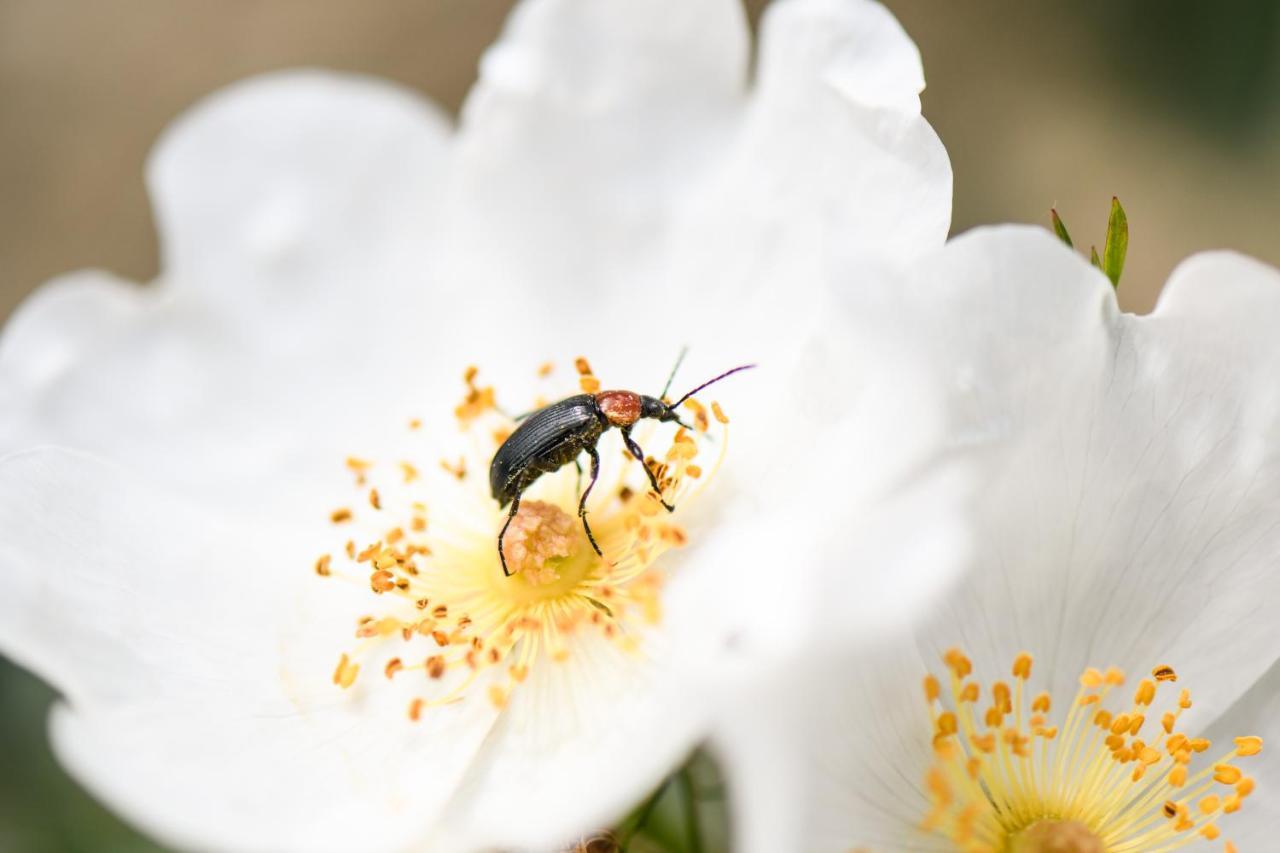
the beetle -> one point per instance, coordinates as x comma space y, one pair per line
555, 435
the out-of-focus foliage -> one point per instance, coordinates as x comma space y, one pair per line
1215, 64
40, 809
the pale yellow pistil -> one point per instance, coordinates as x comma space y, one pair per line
1007, 780
446, 613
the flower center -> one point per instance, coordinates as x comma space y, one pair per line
541, 546
1007, 779
445, 612
1056, 836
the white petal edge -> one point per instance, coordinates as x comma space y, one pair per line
856, 46
831, 161
67, 317
296, 181
589, 122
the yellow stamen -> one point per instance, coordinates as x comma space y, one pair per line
1005, 780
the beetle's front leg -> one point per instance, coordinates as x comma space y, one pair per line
639, 454
515, 507
582, 504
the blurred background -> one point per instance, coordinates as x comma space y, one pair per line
1173, 107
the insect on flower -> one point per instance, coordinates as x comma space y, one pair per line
555, 435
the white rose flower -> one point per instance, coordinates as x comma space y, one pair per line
235, 674
1128, 539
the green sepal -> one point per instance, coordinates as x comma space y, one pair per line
1060, 228
1093, 257
1117, 244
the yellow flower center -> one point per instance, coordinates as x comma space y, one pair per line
1119, 780
445, 613
1056, 836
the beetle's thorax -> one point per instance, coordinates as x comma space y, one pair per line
620, 408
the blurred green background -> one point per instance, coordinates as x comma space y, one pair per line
1172, 106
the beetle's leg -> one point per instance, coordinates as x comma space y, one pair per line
582, 504
577, 464
515, 507
639, 454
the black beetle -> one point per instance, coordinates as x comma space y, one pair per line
556, 435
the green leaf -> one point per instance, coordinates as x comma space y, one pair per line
1060, 228
1093, 257
686, 814
1117, 245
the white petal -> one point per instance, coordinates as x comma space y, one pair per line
291, 312
588, 122
826, 755
180, 647
855, 46
293, 189
1132, 521
68, 317
582, 743
833, 159
837, 479
1128, 518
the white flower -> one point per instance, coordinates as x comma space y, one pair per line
1131, 525
333, 258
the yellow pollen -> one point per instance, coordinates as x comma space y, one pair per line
540, 536
1007, 781
1056, 836
441, 614
586, 381
345, 674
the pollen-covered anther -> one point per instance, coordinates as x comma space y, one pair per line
360, 468
478, 400
1008, 778
586, 380
540, 533
345, 673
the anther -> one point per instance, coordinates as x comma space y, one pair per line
1250, 745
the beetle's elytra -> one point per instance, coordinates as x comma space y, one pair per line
558, 434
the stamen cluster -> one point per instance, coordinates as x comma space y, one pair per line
444, 608
1005, 775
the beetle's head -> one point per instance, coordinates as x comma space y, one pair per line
652, 407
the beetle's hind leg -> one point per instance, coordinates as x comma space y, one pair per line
578, 465
502, 555
639, 454
582, 503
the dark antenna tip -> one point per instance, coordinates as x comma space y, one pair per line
724, 375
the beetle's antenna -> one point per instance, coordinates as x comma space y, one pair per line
711, 382
680, 358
